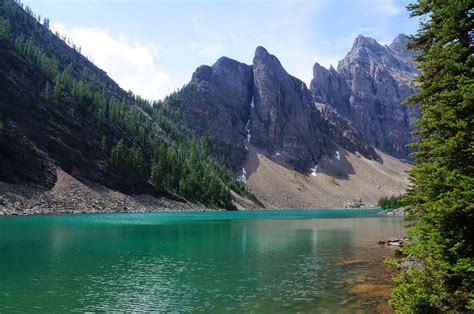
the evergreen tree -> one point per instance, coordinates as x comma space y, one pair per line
47, 92
46, 23
441, 197
4, 29
155, 176
118, 155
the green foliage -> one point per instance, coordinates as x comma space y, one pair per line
130, 159
392, 202
4, 29
441, 198
28, 48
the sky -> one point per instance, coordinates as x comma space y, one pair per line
152, 47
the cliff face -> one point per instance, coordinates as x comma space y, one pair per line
367, 89
284, 119
215, 104
239, 105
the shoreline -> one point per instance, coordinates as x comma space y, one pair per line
70, 196
52, 212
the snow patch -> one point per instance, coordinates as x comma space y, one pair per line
252, 104
277, 154
314, 170
338, 155
243, 176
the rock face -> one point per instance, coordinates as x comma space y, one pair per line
239, 105
341, 131
367, 89
216, 104
284, 119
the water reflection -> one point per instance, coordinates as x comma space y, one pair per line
265, 265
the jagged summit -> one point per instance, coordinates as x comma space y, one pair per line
400, 40
367, 89
362, 41
261, 105
261, 52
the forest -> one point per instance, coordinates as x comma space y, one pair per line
137, 138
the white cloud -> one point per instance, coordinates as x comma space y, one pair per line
133, 65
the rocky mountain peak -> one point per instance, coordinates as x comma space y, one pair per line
368, 88
203, 72
367, 42
398, 48
264, 61
400, 41
261, 106
261, 52
225, 62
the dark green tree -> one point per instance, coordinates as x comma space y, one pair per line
118, 156
4, 29
47, 92
441, 197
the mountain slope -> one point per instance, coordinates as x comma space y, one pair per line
259, 105
66, 126
368, 87
59, 112
292, 150
345, 180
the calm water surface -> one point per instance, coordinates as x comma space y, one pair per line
265, 261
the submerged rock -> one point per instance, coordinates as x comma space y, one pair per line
393, 212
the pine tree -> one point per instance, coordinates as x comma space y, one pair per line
118, 155
156, 176
47, 92
441, 198
4, 29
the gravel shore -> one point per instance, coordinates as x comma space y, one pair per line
73, 197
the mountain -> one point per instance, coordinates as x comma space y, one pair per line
66, 127
367, 89
260, 105
293, 150
235, 136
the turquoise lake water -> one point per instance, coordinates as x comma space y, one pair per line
249, 261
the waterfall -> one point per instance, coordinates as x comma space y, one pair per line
314, 170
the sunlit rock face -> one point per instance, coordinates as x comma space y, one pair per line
368, 88
261, 105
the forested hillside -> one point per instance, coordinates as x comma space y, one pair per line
57, 109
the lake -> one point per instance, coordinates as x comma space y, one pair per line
249, 261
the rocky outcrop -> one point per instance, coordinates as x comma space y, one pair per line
216, 104
341, 131
367, 89
284, 119
239, 105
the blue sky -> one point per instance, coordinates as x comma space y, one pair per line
153, 46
